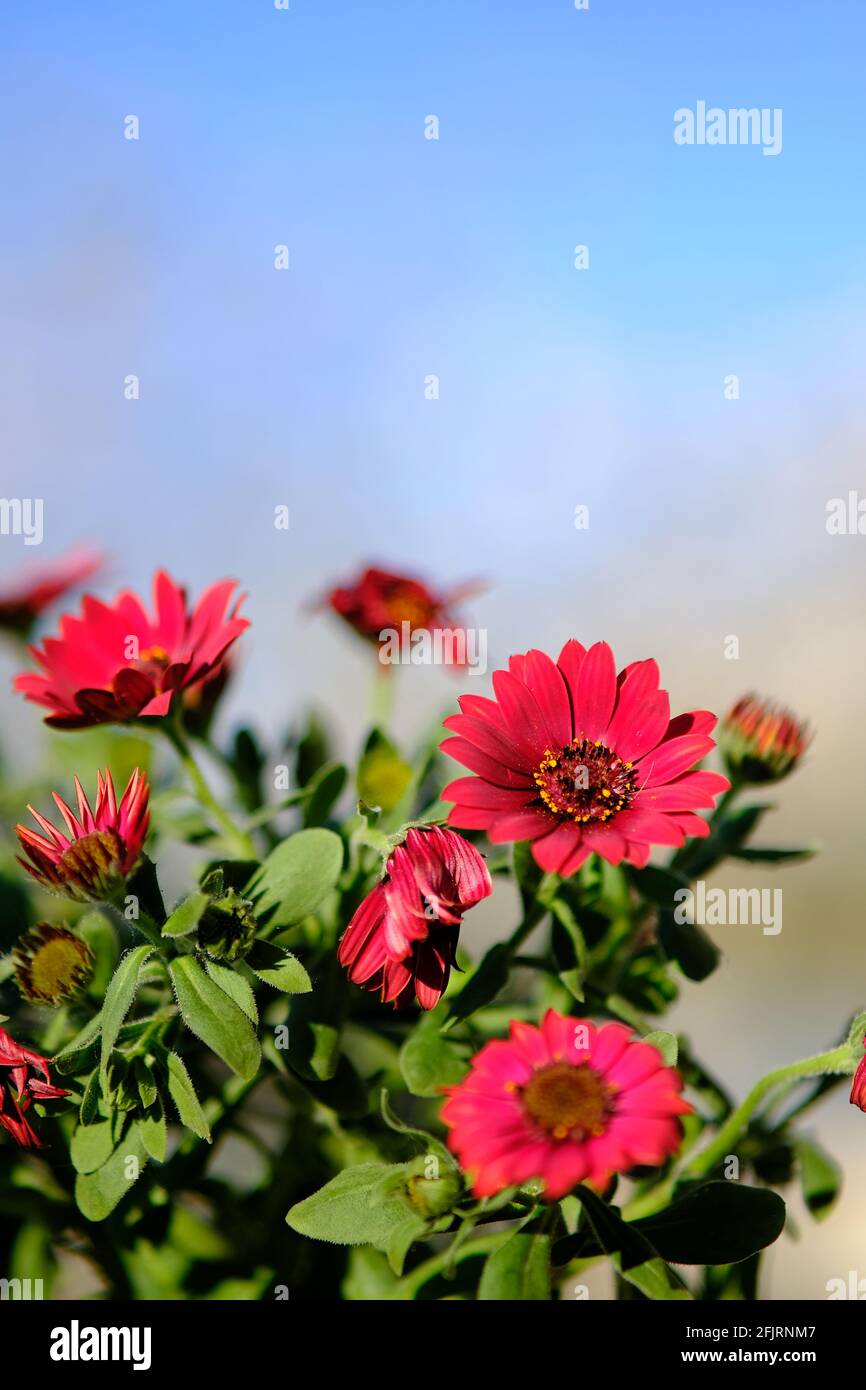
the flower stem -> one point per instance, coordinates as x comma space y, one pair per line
240, 841
837, 1061
382, 698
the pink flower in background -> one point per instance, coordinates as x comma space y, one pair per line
403, 937
116, 662
578, 760
22, 602
566, 1103
101, 847
24, 1077
378, 601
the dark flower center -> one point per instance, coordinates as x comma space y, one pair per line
585, 782
152, 662
93, 860
408, 608
569, 1102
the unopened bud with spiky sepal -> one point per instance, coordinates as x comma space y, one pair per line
101, 847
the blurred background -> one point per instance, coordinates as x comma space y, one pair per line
454, 257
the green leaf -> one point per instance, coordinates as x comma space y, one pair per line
429, 1061
766, 855
98, 1193
569, 948
323, 790
657, 884
357, 1207
83, 1047
314, 1048
715, 1223
279, 969
235, 987
695, 952
154, 1134
666, 1043
296, 877
91, 1146
519, 1271
484, 985
527, 873
209, 1013
631, 1252
147, 1092
118, 1002
182, 1092
820, 1176
186, 915
90, 1099
401, 1238
727, 836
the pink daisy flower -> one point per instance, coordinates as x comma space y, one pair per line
116, 662
565, 1103
403, 938
580, 760
100, 848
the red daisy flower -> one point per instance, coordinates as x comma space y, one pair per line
114, 662
378, 602
24, 1077
101, 848
578, 760
565, 1103
403, 938
22, 602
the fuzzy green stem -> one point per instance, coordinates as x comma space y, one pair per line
240, 841
837, 1061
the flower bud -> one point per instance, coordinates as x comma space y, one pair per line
762, 742
227, 927
433, 1186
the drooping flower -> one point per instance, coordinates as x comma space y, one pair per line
100, 848
51, 964
115, 662
580, 760
565, 1103
760, 741
858, 1086
378, 603
24, 1077
22, 602
402, 939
